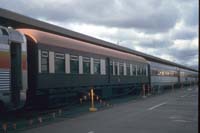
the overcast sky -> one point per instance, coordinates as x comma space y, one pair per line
164, 28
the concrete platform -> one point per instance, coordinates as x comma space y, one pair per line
172, 112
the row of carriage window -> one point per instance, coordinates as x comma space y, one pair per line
171, 73
98, 67
158, 72
130, 69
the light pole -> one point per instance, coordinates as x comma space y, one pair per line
118, 42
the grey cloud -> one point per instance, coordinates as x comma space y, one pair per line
156, 44
145, 16
149, 16
194, 66
183, 57
191, 16
184, 34
184, 54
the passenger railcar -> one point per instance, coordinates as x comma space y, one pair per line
44, 70
163, 76
60, 68
188, 77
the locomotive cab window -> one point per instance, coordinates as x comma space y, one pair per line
86, 65
74, 64
96, 66
59, 63
44, 62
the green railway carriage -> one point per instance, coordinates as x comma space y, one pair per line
163, 76
62, 68
187, 77
40, 69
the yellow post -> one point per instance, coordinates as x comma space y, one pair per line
92, 108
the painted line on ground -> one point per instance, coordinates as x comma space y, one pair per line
156, 106
91, 132
183, 121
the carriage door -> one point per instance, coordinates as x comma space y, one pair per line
16, 72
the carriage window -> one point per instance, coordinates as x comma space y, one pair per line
44, 62
116, 68
96, 66
86, 65
139, 71
59, 63
128, 69
121, 69
143, 71
74, 64
134, 70
154, 72
111, 67
4, 32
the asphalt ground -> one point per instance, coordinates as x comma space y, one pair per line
175, 111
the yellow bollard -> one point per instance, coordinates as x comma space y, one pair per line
92, 108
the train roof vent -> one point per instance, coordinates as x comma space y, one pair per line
15, 36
